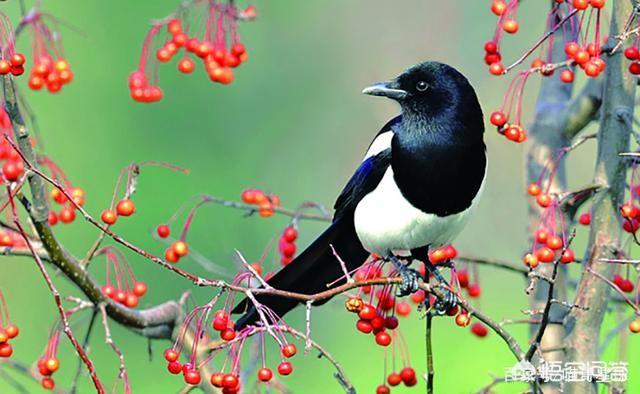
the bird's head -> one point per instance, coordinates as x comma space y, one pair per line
429, 89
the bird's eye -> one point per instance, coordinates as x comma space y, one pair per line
422, 86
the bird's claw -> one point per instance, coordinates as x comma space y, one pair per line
409, 283
448, 301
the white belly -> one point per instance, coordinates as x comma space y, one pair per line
385, 221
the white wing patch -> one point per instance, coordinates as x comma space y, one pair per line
386, 222
380, 143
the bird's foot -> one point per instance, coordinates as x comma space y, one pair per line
410, 278
448, 301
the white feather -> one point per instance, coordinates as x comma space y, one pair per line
380, 143
387, 223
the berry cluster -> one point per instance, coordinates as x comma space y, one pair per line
50, 68
223, 325
67, 212
217, 45
11, 62
11, 239
8, 331
372, 321
550, 240
265, 202
287, 245
440, 255
48, 364
407, 376
512, 109
624, 284
586, 56
12, 164
124, 288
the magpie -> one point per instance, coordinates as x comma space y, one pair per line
416, 188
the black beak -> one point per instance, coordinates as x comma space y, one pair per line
386, 89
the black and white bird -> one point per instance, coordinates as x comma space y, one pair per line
416, 188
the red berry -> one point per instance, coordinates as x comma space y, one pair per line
510, 26
382, 389
192, 377
230, 381
632, 53
17, 60
403, 309
544, 200
368, 312
474, 290
163, 231
394, 379
139, 288
48, 383
554, 242
628, 210
462, 320
289, 350
264, 374
585, 219
391, 322
171, 355
634, 326
498, 7
171, 256
228, 334
285, 368
463, 278
131, 301
571, 49
186, 65
11, 170
290, 234
109, 217
496, 68
6, 350
383, 338
534, 189
364, 326
125, 207
545, 254
491, 47
479, 329
408, 374
498, 119
174, 26
53, 218
566, 76
174, 367
568, 256
5, 67
580, 4
12, 330
67, 215
220, 323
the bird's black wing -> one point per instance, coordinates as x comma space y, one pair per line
364, 180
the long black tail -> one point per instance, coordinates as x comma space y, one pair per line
311, 271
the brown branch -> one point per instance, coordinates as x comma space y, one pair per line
56, 295
122, 370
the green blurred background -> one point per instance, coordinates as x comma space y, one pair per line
293, 122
